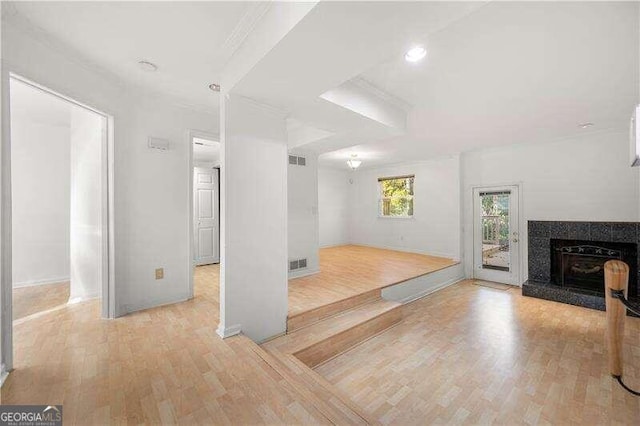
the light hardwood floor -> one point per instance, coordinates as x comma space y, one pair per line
466, 354
163, 365
346, 271
31, 300
476, 355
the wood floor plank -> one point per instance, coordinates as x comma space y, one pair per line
466, 354
349, 270
31, 300
469, 354
159, 366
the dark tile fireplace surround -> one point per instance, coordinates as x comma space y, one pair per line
566, 258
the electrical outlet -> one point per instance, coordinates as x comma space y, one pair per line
159, 273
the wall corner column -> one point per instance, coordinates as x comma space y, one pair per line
253, 238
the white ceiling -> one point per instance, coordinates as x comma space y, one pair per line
496, 73
511, 73
35, 106
190, 42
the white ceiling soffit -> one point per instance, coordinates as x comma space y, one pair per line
299, 133
332, 44
363, 98
190, 42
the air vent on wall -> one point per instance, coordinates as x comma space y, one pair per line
297, 264
295, 160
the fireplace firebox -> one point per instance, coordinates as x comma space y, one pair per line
579, 265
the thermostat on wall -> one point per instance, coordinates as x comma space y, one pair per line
157, 143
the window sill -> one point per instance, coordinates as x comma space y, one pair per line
396, 217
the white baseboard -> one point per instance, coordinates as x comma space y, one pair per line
409, 250
80, 299
427, 292
135, 307
3, 375
33, 283
225, 332
423, 285
346, 243
303, 274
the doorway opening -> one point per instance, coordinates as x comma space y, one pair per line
496, 234
59, 202
205, 207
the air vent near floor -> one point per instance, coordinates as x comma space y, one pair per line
297, 264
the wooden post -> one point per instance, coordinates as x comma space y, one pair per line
616, 277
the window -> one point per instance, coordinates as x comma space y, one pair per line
396, 196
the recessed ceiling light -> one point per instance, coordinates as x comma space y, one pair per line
147, 66
215, 87
585, 125
415, 54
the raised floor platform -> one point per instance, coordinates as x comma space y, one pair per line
358, 295
351, 275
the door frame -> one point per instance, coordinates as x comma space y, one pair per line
519, 275
108, 291
191, 134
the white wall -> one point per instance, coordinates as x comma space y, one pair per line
584, 179
333, 206
86, 241
435, 226
302, 200
253, 274
41, 199
151, 187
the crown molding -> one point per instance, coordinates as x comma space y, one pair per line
366, 85
270, 109
253, 14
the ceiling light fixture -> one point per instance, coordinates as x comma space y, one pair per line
353, 163
215, 87
147, 66
585, 125
415, 54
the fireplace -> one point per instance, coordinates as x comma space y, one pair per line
579, 265
566, 260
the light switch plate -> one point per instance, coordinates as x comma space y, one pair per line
159, 273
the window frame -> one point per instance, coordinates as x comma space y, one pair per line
381, 197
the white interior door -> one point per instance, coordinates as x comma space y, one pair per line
206, 221
496, 233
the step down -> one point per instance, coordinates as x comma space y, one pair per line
304, 319
327, 338
294, 355
316, 390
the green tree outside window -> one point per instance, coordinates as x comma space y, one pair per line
396, 196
